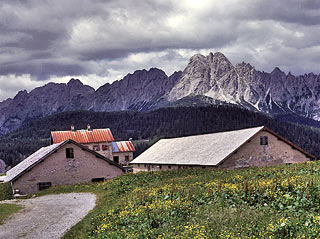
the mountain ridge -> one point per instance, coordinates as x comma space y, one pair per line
212, 76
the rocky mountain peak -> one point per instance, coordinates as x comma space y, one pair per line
276, 70
21, 94
197, 58
74, 83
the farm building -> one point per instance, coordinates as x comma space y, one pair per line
99, 140
258, 146
63, 163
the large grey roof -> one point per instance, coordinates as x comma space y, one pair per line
30, 161
207, 149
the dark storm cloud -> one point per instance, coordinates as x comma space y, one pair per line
112, 38
293, 11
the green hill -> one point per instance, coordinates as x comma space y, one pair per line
272, 202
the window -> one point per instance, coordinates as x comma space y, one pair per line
96, 180
126, 158
169, 166
96, 147
160, 166
69, 153
104, 147
116, 159
263, 140
43, 186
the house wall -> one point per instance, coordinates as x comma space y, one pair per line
60, 170
109, 154
250, 154
122, 157
254, 154
105, 153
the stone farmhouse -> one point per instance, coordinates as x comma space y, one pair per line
67, 162
99, 140
258, 146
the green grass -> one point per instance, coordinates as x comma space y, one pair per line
5, 191
8, 209
271, 202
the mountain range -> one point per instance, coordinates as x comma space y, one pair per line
208, 79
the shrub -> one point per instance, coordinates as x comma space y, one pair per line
5, 191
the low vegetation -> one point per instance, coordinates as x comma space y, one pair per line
272, 202
8, 209
5, 191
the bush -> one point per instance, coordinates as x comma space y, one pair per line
5, 191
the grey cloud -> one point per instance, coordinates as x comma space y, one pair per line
75, 37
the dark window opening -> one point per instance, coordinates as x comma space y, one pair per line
126, 158
104, 147
263, 140
69, 153
96, 180
116, 159
160, 166
44, 185
96, 147
169, 166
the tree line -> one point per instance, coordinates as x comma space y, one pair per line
161, 123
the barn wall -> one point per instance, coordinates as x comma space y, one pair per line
156, 167
60, 170
254, 154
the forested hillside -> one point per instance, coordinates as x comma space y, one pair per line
165, 122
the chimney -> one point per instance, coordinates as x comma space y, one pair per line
88, 127
72, 128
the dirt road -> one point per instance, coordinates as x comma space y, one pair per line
47, 217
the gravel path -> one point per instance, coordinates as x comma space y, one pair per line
47, 217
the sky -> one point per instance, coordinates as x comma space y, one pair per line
99, 41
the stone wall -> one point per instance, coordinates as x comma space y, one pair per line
253, 154
60, 170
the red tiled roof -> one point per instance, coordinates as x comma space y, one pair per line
123, 146
83, 136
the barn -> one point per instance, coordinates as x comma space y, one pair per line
63, 163
257, 146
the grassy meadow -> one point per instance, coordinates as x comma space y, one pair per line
7, 209
271, 202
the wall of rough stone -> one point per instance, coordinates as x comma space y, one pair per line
253, 154
60, 170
